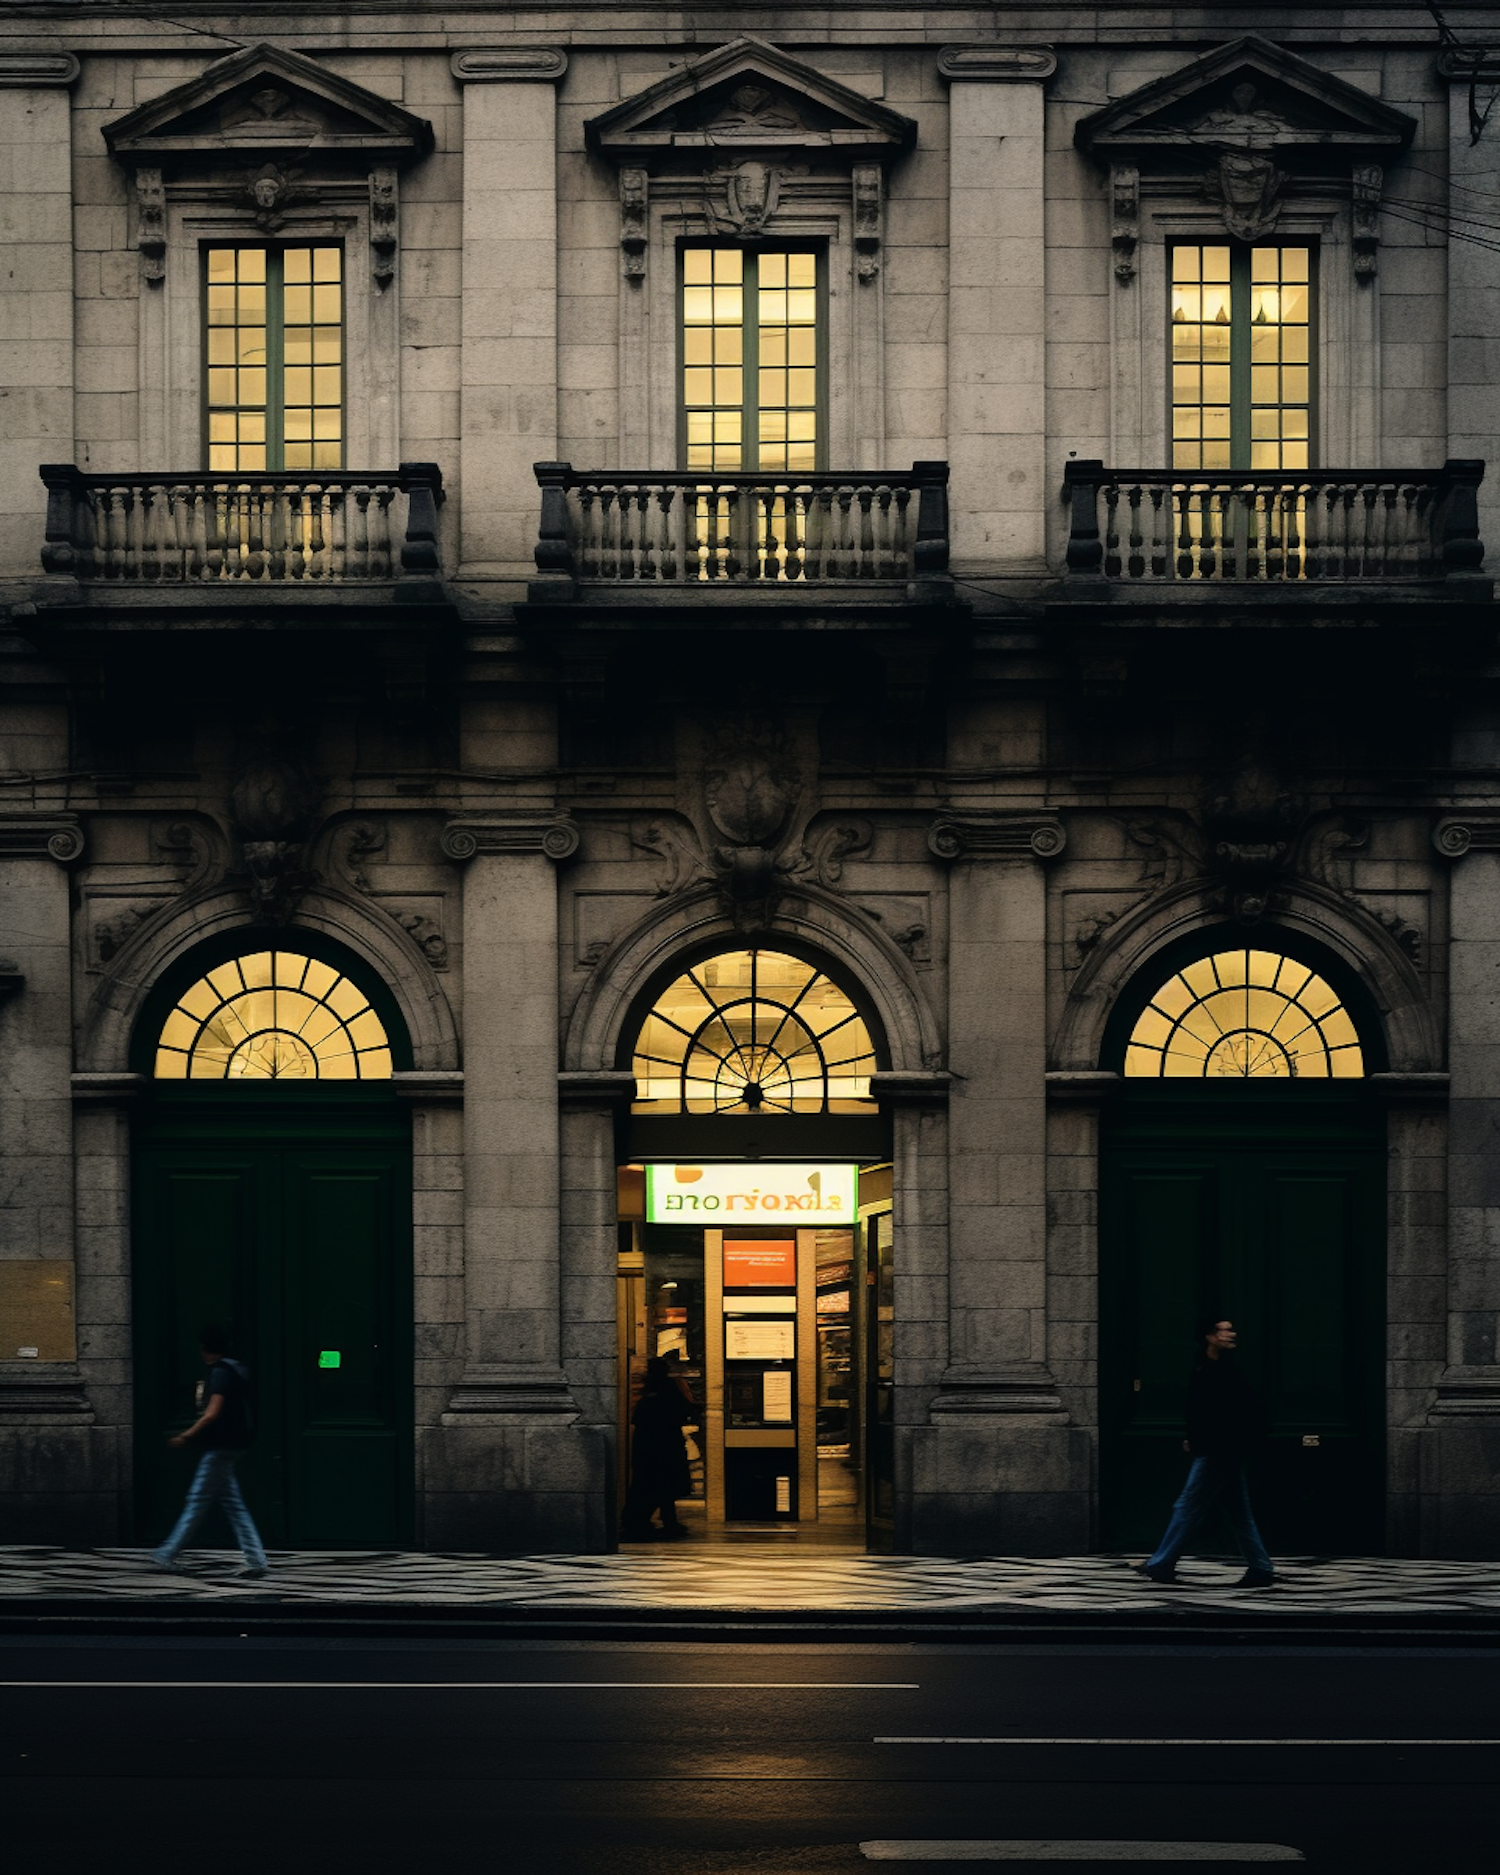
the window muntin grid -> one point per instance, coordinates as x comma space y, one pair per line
1245, 1015
273, 1016
274, 357
1241, 357
753, 1032
751, 377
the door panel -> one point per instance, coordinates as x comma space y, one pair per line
307, 1252
1281, 1227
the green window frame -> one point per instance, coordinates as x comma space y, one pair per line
1242, 349
752, 357
274, 353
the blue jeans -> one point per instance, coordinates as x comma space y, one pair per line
1211, 1482
215, 1480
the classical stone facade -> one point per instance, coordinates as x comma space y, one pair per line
521, 705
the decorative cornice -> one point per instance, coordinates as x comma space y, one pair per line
1000, 836
1411, 1089
1004, 65
41, 836
555, 835
1458, 834
43, 1393
430, 1086
1467, 1393
918, 1087
1026, 1388
30, 69
489, 1393
498, 65
109, 1089
586, 1088
1081, 1084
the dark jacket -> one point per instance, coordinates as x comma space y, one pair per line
1223, 1415
658, 1453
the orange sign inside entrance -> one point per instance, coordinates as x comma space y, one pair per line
760, 1262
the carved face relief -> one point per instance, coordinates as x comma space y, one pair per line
748, 800
1249, 189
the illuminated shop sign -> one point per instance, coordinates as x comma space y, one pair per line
752, 1194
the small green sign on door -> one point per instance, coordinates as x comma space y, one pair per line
330, 1357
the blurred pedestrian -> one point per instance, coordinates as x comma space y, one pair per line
222, 1431
659, 1472
1223, 1428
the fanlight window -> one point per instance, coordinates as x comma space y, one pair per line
1245, 1015
753, 1032
273, 1016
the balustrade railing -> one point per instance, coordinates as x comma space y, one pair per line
696, 528
1154, 525
321, 528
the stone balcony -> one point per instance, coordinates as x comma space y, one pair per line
151, 553
694, 545
1287, 543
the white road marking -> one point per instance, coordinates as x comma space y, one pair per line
1489, 1742
1049, 1849
502, 1686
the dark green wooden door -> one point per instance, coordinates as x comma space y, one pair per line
1269, 1207
295, 1225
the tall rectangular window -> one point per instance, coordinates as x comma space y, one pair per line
1241, 357
751, 359
274, 357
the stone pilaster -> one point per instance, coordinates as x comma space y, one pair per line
1460, 1455
999, 1465
510, 1467
56, 1467
1473, 293
508, 398
997, 418
36, 293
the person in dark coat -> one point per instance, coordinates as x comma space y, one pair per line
1223, 1428
659, 1472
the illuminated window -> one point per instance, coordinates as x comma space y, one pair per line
753, 1032
273, 1016
750, 373
1241, 357
1245, 1015
274, 357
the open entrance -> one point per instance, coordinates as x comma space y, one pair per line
756, 1252
1242, 1174
272, 1191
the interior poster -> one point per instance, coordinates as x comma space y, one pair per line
760, 1262
760, 1341
776, 1394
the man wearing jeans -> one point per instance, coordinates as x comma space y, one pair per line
222, 1431
1223, 1423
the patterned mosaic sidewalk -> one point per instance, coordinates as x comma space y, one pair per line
764, 1579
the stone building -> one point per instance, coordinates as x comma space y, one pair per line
581, 674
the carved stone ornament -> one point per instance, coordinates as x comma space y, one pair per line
151, 224
1125, 217
996, 836
773, 126
996, 65
31, 70
268, 128
1269, 122
635, 195
41, 836
1247, 189
514, 65
554, 835
1466, 833
271, 806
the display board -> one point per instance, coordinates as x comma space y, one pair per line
752, 1193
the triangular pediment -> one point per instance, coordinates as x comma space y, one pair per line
1248, 95
269, 102
749, 96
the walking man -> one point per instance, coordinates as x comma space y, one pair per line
1223, 1425
222, 1431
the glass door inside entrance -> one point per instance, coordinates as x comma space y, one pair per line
775, 1337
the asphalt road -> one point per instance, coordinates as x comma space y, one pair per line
597, 1759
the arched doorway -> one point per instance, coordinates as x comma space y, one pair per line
757, 1237
1242, 1172
272, 1190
